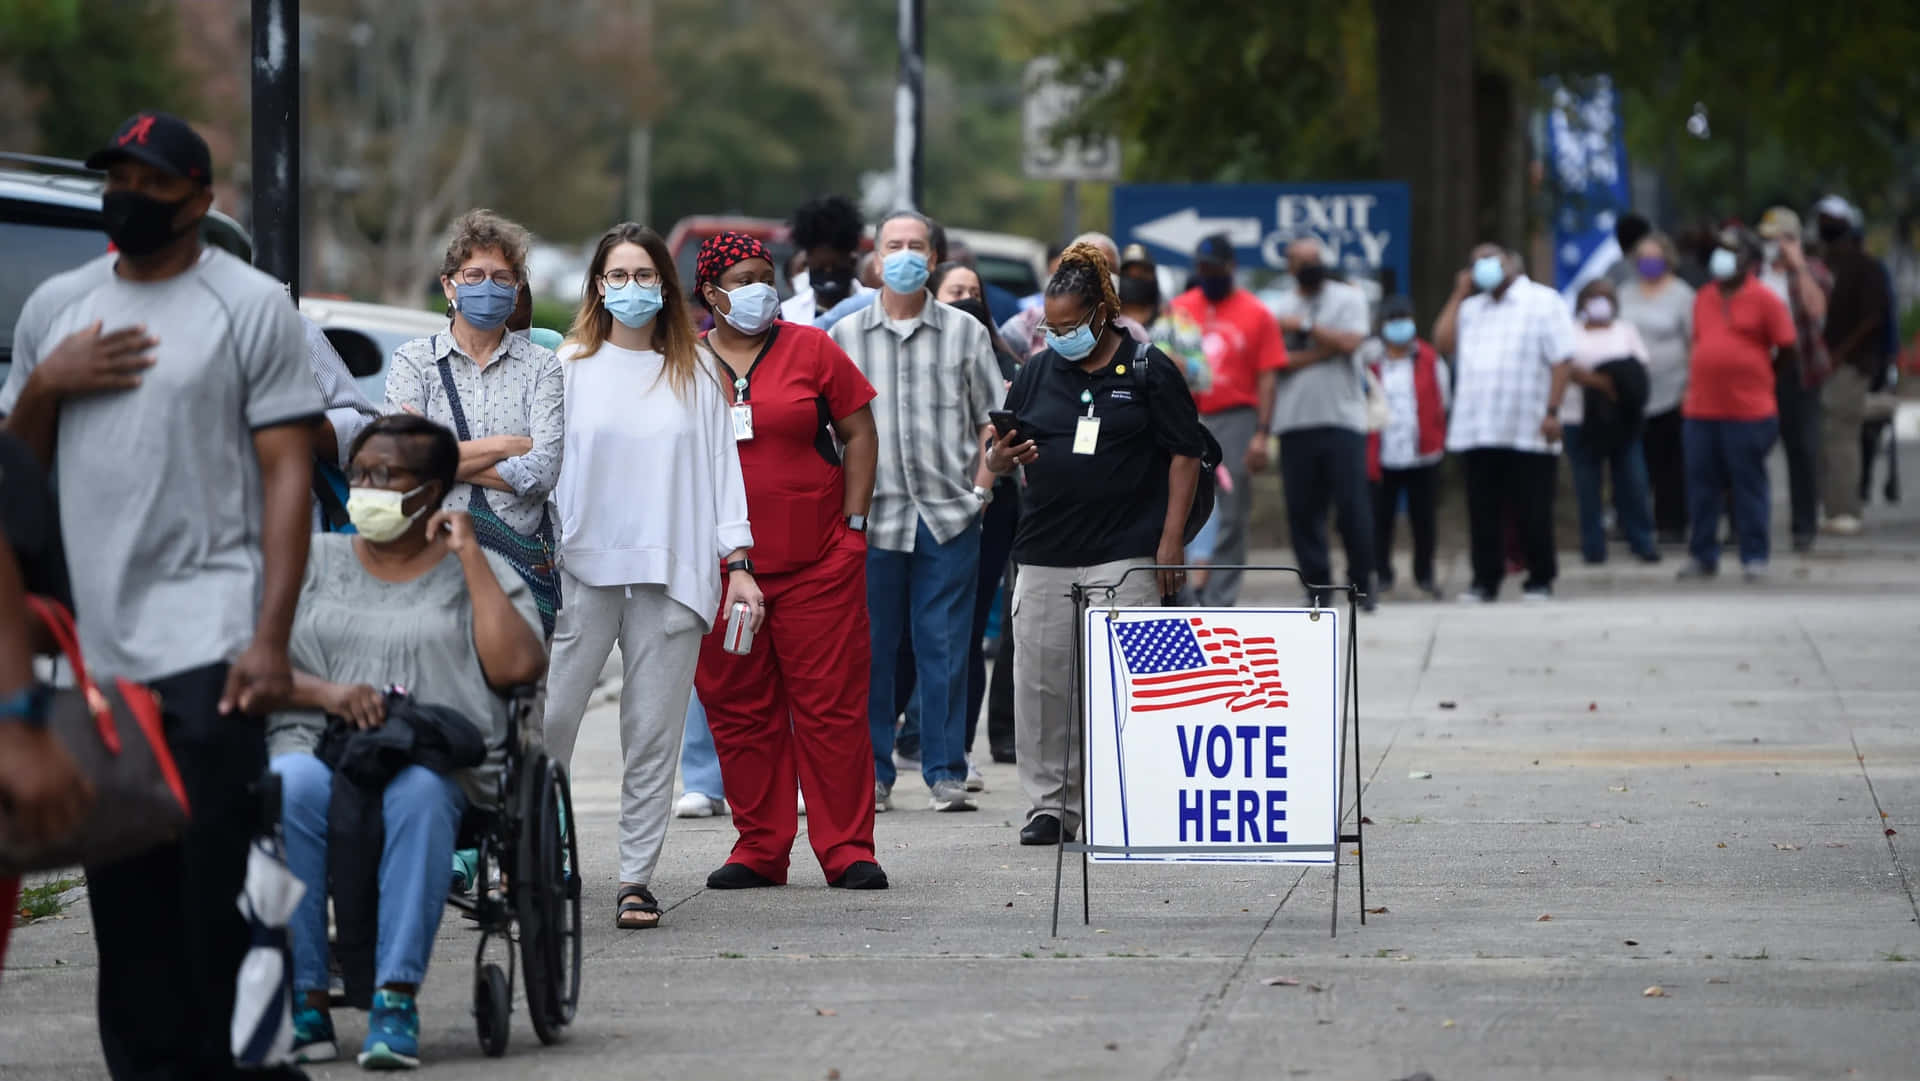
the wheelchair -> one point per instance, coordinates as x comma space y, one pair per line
526, 840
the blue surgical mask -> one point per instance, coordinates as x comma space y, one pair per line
1077, 345
904, 271
1723, 264
487, 305
1397, 331
1488, 272
751, 308
633, 304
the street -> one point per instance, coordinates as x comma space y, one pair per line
1711, 791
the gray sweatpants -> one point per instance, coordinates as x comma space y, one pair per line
1234, 429
1843, 401
659, 646
1043, 673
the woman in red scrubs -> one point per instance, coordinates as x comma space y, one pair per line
795, 705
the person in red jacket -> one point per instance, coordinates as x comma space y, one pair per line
794, 706
1403, 458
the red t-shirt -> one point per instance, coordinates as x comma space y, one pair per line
1240, 339
796, 489
1733, 344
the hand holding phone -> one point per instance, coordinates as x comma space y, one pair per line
1004, 422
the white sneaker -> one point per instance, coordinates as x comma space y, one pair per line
1538, 594
906, 764
1846, 525
975, 781
882, 797
695, 805
952, 796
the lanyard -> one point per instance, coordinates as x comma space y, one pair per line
741, 389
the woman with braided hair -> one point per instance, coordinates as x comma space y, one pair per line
1111, 442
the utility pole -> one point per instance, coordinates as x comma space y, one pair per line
276, 140
640, 136
909, 105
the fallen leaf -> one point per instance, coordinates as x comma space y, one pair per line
1419, 775
1891, 832
1113, 1047
1381, 911
1718, 979
1593, 707
1446, 1024
1281, 981
1314, 987
1632, 941
1786, 848
1101, 931
1721, 844
1365, 821
1616, 788
1009, 904
1444, 704
1544, 919
1656, 991
826, 1011
833, 1075
1836, 844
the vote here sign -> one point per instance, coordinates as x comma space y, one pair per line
1212, 735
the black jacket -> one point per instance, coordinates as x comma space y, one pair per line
1607, 424
414, 734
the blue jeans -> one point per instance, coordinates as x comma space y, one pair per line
1632, 496
932, 590
1729, 456
699, 762
422, 813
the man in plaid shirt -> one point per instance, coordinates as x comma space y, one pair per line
1511, 340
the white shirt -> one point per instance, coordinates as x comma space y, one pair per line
801, 307
1594, 346
1400, 439
650, 487
1506, 351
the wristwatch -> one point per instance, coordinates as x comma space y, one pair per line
740, 565
1306, 324
984, 495
27, 706
857, 523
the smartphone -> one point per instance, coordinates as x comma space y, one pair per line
1003, 421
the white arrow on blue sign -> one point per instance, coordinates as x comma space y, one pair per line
1362, 225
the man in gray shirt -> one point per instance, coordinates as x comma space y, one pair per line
167, 385
1320, 415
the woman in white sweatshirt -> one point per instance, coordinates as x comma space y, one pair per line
651, 506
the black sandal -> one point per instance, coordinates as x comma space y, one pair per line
646, 908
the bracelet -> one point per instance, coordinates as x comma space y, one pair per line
27, 706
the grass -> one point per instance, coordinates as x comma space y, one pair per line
42, 901
730, 956
1898, 957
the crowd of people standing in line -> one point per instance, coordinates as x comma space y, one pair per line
823, 472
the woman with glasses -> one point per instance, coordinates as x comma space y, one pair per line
794, 707
651, 506
499, 392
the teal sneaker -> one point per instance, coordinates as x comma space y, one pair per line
313, 1039
466, 866
393, 1033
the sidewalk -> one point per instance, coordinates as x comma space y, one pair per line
1633, 786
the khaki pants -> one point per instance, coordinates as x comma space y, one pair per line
1043, 674
1844, 402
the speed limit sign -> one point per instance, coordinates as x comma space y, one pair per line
1049, 101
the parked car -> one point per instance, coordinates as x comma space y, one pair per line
50, 222
365, 335
1015, 263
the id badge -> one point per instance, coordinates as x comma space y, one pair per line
742, 422
1086, 435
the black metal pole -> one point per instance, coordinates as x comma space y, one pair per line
909, 106
276, 140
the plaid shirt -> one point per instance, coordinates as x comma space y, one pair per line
1505, 352
936, 378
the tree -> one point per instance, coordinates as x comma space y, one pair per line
72, 70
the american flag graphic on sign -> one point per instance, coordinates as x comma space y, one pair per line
1183, 662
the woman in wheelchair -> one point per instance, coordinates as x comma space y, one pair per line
412, 601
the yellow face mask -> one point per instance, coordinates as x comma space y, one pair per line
376, 513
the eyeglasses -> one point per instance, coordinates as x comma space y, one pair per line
379, 476
474, 275
1048, 328
615, 279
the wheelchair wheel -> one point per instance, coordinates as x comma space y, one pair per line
547, 897
492, 1009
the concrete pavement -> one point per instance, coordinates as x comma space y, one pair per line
1633, 786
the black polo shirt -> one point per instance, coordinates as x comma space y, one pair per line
1079, 510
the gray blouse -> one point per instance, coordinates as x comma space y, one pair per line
351, 627
521, 391
1665, 323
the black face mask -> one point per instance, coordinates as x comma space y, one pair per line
139, 224
1311, 277
1216, 287
1832, 231
1139, 292
831, 286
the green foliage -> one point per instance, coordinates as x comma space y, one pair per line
86, 65
39, 901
